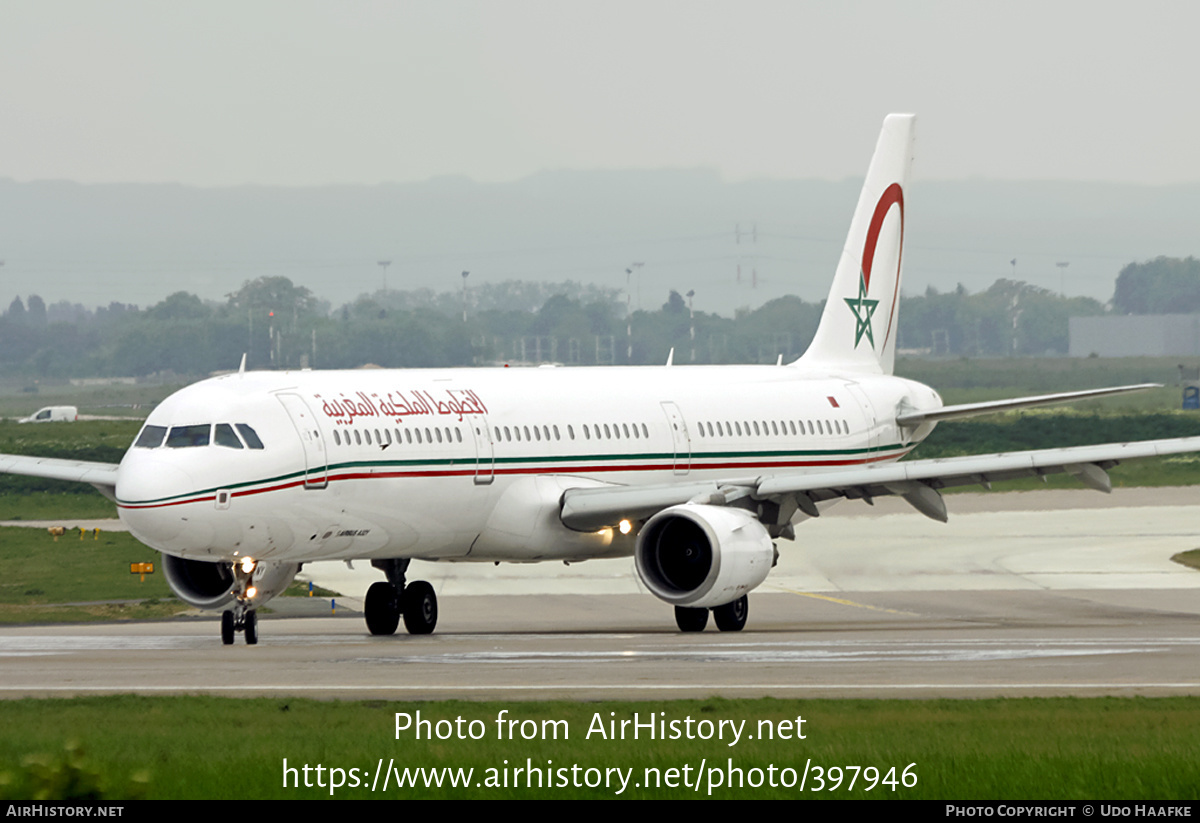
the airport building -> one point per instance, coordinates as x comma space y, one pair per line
1135, 335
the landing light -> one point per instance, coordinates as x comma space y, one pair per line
625, 526
247, 565
251, 593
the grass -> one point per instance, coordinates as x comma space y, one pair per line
1191, 559
187, 747
22, 397
45, 580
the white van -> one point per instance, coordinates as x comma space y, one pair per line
53, 414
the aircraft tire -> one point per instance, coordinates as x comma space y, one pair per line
690, 620
731, 617
420, 608
382, 608
227, 627
251, 627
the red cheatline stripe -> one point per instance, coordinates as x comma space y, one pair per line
472, 471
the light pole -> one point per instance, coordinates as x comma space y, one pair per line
629, 312
692, 322
1062, 276
465, 295
383, 264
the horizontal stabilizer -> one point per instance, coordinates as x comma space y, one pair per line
915, 418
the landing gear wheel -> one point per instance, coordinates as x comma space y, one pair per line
732, 616
690, 620
420, 608
227, 627
251, 627
383, 608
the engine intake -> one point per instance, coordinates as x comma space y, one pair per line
703, 556
210, 585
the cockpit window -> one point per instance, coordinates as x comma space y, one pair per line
182, 437
226, 436
250, 436
151, 437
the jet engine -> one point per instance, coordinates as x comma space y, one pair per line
703, 556
210, 585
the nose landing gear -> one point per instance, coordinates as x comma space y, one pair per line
242, 617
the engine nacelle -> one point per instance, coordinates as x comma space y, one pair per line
703, 556
210, 585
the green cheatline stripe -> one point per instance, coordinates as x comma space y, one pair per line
450, 461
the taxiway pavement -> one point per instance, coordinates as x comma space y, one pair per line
1075, 597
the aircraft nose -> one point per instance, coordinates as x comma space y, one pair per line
150, 493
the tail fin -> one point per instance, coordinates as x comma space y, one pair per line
858, 327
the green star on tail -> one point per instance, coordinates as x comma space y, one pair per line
863, 309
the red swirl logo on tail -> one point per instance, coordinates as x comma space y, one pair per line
863, 308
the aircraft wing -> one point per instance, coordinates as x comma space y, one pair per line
101, 475
917, 481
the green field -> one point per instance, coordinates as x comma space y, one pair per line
206, 747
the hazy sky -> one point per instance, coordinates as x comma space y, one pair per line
297, 92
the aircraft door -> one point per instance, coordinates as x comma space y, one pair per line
485, 458
868, 412
680, 438
315, 460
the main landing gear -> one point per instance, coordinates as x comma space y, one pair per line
386, 602
242, 617
730, 617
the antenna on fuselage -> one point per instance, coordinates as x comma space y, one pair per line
242, 368
671, 357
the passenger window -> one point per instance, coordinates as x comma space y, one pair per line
645, 431
227, 437
151, 437
570, 431
337, 438
182, 437
367, 436
357, 437
250, 436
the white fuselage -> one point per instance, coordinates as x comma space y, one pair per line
469, 464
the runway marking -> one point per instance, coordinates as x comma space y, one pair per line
292, 688
843, 602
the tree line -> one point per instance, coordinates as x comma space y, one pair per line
279, 324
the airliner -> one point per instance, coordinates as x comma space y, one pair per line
695, 471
